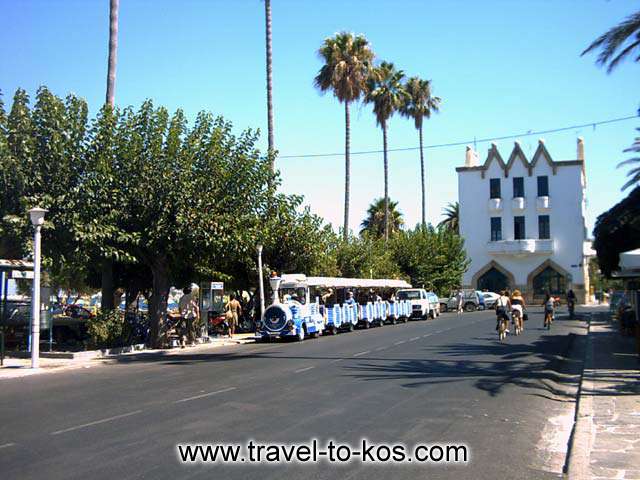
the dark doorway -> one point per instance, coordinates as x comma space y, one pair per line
493, 280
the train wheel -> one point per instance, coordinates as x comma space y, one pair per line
301, 334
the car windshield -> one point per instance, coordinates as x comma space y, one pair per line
409, 295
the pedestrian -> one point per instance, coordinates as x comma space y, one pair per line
189, 311
233, 309
460, 298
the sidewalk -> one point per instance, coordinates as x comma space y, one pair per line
606, 441
21, 367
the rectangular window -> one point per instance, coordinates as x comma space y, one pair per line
496, 229
518, 187
494, 188
543, 186
518, 228
544, 230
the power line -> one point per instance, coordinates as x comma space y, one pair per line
467, 142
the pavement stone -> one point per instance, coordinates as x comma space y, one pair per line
609, 408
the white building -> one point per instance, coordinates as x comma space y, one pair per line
523, 222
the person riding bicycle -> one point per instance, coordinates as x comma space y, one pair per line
571, 302
517, 303
549, 305
503, 305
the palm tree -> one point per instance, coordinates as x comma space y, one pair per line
267, 16
374, 223
418, 105
114, 6
451, 217
387, 94
612, 43
347, 61
108, 302
634, 173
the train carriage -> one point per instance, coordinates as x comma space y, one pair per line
296, 311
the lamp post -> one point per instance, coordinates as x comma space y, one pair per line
37, 219
260, 279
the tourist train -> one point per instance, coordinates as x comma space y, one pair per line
304, 306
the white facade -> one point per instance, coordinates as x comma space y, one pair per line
524, 262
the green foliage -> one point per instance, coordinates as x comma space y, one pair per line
432, 258
385, 91
451, 217
634, 173
106, 329
617, 230
347, 60
365, 257
419, 103
374, 223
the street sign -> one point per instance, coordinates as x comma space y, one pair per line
217, 285
27, 274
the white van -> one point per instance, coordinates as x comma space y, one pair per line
421, 306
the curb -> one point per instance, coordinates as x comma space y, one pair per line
581, 439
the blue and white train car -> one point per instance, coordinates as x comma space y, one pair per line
292, 313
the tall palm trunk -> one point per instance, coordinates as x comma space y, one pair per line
386, 182
267, 15
107, 302
424, 201
113, 51
347, 169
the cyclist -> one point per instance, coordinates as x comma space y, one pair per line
549, 303
503, 304
517, 310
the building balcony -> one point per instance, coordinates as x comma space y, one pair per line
543, 204
495, 204
518, 204
529, 246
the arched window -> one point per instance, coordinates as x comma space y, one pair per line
493, 280
549, 280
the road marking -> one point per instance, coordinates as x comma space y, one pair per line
7, 445
196, 397
303, 370
97, 422
381, 348
361, 353
427, 335
413, 339
400, 342
336, 360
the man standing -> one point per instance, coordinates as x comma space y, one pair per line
460, 298
234, 309
189, 310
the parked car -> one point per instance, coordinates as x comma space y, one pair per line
421, 305
470, 301
490, 299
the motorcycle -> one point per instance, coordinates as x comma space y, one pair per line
217, 323
571, 304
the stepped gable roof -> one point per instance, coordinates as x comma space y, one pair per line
541, 154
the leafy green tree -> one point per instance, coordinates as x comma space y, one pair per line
617, 230
634, 173
618, 43
419, 104
387, 94
451, 217
432, 258
347, 60
366, 257
374, 223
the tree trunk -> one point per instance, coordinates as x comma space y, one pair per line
386, 182
113, 51
424, 201
267, 15
106, 302
159, 299
347, 169
107, 264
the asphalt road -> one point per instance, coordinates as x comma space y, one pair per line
447, 380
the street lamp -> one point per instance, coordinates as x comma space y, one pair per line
37, 219
260, 279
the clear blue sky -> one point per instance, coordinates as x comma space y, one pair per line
501, 67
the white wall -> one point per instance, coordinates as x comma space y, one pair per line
566, 193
